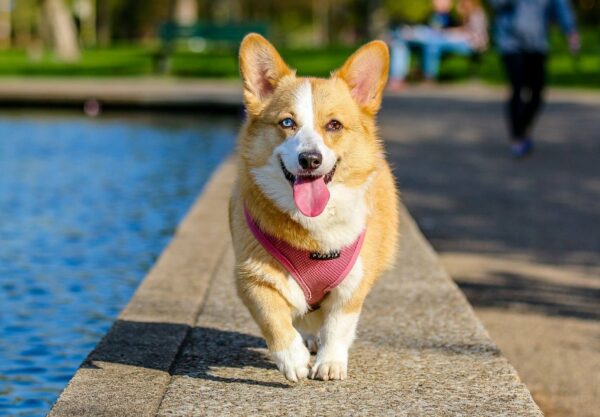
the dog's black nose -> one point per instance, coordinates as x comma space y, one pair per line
310, 160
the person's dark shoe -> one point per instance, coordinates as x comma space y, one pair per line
522, 148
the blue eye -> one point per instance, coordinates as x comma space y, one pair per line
288, 123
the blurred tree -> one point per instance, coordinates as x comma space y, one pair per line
85, 11
186, 12
341, 22
230, 10
321, 21
62, 29
137, 19
24, 18
407, 11
364, 10
5, 23
295, 22
589, 12
103, 22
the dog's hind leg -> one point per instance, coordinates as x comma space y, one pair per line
309, 325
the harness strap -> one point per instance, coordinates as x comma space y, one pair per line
317, 274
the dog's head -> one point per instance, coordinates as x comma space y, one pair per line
307, 140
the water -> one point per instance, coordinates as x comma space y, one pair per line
86, 206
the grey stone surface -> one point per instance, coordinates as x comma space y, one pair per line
188, 93
182, 347
121, 92
521, 238
420, 352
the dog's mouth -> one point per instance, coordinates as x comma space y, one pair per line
311, 194
292, 178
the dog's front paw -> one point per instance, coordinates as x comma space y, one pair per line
329, 370
293, 361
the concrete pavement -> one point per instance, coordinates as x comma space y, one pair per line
185, 345
221, 95
521, 238
147, 93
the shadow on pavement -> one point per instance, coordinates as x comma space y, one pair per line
508, 290
468, 196
156, 346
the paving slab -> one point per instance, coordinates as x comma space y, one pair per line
186, 346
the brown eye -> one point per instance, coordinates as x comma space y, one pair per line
288, 123
334, 126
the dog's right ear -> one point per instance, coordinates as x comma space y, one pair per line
261, 68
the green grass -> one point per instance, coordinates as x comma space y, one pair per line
315, 62
117, 61
139, 61
563, 69
134, 60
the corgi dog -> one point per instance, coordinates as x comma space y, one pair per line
314, 211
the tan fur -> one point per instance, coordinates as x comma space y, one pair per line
269, 99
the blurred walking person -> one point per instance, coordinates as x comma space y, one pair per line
521, 32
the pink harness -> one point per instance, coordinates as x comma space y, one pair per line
316, 273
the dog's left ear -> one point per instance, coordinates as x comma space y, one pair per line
261, 68
366, 73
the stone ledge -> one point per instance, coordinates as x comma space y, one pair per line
211, 95
123, 93
186, 346
128, 371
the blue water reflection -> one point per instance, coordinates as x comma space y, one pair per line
86, 206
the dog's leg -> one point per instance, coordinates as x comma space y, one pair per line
274, 317
336, 337
312, 343
340, 311
309, 325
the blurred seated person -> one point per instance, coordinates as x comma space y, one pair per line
438, 38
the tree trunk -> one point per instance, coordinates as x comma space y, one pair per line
103, 28
371, 20
186, 12
62, 29
23, 18
321, 23
227, 11
86, 12
5, 19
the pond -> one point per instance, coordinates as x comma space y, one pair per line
86, 206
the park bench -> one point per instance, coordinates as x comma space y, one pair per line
228, 35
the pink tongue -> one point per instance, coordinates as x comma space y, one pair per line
311, 195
